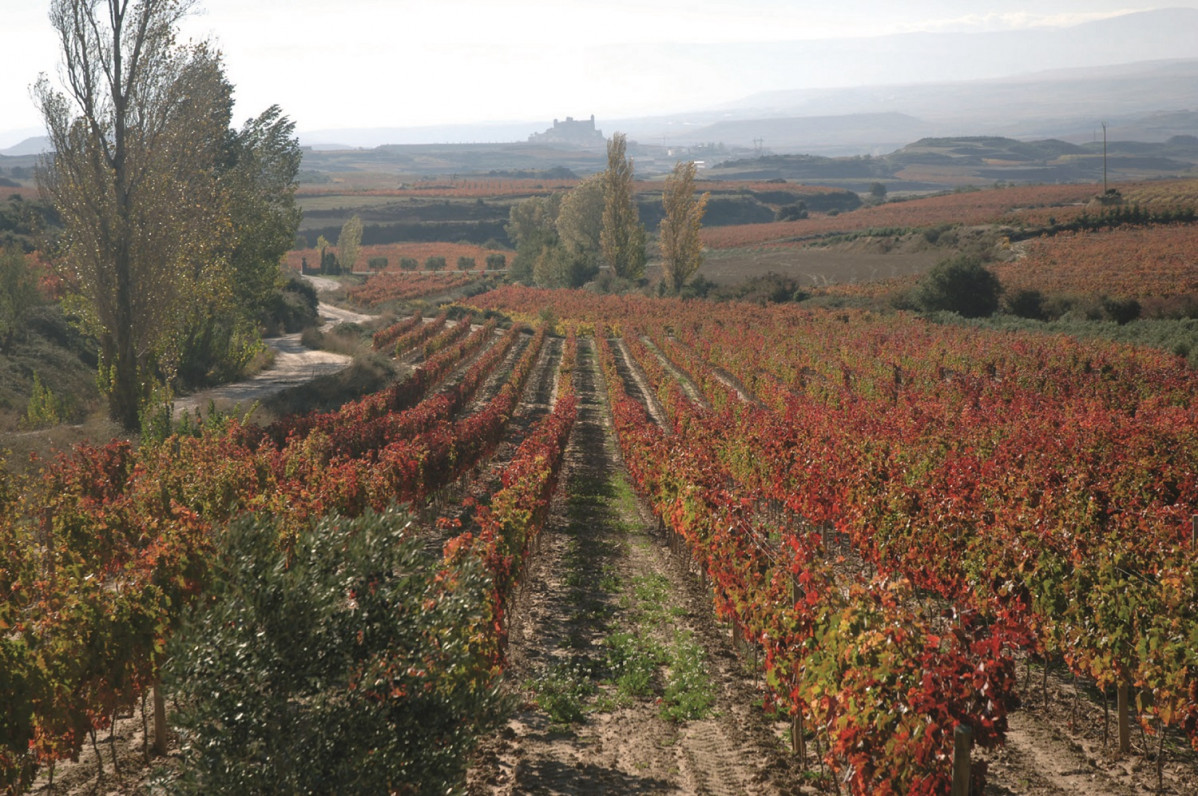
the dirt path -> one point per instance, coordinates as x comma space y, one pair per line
294, 363
623, 682
1058, 747
330, 316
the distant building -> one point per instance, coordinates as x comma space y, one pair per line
570, 132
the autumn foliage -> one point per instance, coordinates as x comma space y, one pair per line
104, 550
889, 510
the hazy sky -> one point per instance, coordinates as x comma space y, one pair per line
398, 63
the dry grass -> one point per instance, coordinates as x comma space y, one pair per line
26, 452
819, 267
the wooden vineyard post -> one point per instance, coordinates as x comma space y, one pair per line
798, 741
159, 719
1123, 711
962, 741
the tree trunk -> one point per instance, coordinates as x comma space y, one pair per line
124, 402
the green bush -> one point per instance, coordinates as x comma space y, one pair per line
795, 211
434, 263
336, 663
329, 264
18, 294
408, 263
961, 285
377, 263
466, 263
496, 262
1121, 310
290, 309
1027, 304
44, 409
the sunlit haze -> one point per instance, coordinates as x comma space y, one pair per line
380, 63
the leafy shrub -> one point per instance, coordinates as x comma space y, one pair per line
961, 285
18, 293
329, 264
408, 263
1121, 310
336, 662
794, 211
435, 263
770, 288
1026, 304
290, 309
496, 262
45, 409
466, 263
699, 287
377, 263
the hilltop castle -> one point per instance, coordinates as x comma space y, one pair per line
572, 132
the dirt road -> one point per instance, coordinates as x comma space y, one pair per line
293, 364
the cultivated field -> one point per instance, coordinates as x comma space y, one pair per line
640, 544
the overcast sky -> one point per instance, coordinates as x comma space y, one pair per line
398, 63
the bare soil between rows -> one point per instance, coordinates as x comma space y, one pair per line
597, 553
566, 613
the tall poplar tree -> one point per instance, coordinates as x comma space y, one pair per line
681, 249
349, 243
623, 236
256, 178
579, 227
148, 180
135, 135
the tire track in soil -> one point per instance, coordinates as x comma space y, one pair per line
679, 375
596, 545
1058, 747
636, 385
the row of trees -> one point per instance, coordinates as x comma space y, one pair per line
562, 240
173, 222
344, 258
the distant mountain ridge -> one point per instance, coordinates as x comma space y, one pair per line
934, 162
30, 146
1138, 72
1042, 82
1149, 101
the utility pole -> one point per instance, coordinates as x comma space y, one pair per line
1104, 188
